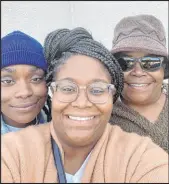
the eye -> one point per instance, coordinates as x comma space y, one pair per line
37, 79
7, 82
67, 89
97, 91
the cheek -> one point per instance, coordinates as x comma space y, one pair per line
6, 95
40, 90
159, 76
126, 74
57, 107
106, 110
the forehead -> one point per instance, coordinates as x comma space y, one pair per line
83, 69
136, 54
23, 68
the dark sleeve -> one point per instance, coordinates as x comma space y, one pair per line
127, 125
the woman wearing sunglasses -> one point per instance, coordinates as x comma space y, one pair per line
85, 80
139, 45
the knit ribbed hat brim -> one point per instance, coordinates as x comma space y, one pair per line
23, 57
20, 48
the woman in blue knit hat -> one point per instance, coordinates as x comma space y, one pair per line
23, 86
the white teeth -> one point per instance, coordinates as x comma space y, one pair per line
80, 118
138, 85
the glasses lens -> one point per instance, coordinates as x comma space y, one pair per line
126, 63
66, 91
98, 92
151, 63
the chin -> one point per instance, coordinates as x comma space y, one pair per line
139, 100
25, 120
137, 97
81, 140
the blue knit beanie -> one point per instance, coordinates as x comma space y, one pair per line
20, 48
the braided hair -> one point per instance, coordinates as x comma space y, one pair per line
62, 43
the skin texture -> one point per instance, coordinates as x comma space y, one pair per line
144, 98
79, 137
23, 94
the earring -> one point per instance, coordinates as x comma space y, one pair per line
164, 88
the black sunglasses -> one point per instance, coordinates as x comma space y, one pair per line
147, 63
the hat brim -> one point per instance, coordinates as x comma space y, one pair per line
141, 43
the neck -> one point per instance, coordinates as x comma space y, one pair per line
13, 123
149, 110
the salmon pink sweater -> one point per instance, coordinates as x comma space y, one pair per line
117, 157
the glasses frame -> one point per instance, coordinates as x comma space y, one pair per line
111, 88
161, 58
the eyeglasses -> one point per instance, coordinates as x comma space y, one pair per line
147, 63
96, 92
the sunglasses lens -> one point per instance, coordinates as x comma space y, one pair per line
126, 63
151, 63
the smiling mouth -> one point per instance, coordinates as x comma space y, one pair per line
138, 85
80, 118
24, 106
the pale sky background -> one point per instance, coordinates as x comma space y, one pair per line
38, 18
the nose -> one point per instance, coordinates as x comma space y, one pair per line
24, 90
82, 100
137, 70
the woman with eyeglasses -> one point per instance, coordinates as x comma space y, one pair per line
79, 145
139, 46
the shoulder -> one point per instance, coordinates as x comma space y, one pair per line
122, 112
26, 138
117, 134
27, 147
145, 159
138, 151
132, 142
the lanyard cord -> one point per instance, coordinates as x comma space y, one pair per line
58, 162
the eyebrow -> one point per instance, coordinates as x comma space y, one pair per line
12, 70
99, 80
9, 70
